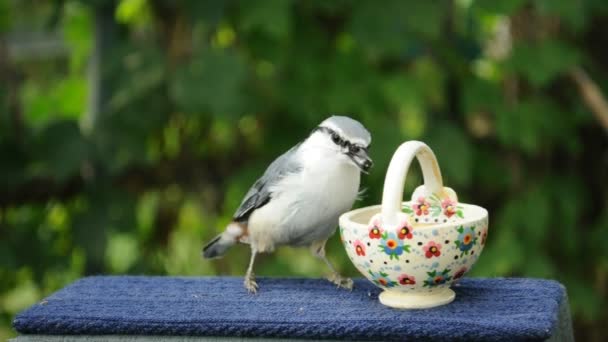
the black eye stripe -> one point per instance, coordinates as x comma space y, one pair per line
335, 137
338, 140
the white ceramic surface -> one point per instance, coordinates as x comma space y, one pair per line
415, 250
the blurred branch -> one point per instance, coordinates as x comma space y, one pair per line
592, 95
56, 15
40, 190
9, 76
105, 36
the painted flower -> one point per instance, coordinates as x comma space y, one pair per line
375, 232
484, 236
405, 231
432, 249
466, 240
421, 207
449, 207
405, 279
460, 273
359, 247
382, 279
392, 246
437, 278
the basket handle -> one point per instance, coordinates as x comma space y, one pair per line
394, 182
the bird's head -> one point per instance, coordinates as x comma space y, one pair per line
348, 138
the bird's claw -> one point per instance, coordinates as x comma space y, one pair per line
341, 282
250, 284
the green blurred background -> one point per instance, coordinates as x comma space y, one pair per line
130, 130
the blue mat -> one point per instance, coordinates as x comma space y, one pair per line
484, 309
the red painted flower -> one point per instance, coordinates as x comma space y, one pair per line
460, 273
405, 231
432, 249
484, 236
421, 207
449, 207
406, 280
359, 247
375, 232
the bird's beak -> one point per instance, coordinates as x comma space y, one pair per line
361, 159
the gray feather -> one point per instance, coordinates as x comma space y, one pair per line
350, 128
260, 194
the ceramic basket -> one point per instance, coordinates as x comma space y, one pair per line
415, 250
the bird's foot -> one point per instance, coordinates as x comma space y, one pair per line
250, 284
341, 282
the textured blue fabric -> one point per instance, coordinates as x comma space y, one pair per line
485, 309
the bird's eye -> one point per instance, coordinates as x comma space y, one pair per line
336, 139
354, 148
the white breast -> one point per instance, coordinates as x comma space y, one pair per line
306, 205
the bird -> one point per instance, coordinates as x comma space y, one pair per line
299, 198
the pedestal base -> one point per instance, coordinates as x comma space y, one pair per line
402, 300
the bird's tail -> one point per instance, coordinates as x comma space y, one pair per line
221, 243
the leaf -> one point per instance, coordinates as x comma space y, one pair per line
392, 27
62, 99
482, 96
271, 17
209, 12
59, 150
505, 7
572, 13
454, 151
541, 63
525, 125
211, 83
434, 198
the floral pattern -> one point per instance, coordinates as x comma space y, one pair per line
382, 279
466, 239
405, 232
432, 249
405, 279
437, 278
435, 206
412, 258
460, 273
375, 232
449, 207
359, 248
393, 246
421, 207
484, 236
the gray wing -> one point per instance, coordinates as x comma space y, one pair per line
260, 194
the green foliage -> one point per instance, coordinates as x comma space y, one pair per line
127, 158
541, 62
211, 83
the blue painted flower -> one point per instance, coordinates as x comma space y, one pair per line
392, 246
466, 239
437, 278
382, 279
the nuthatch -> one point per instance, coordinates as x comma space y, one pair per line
299, 198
